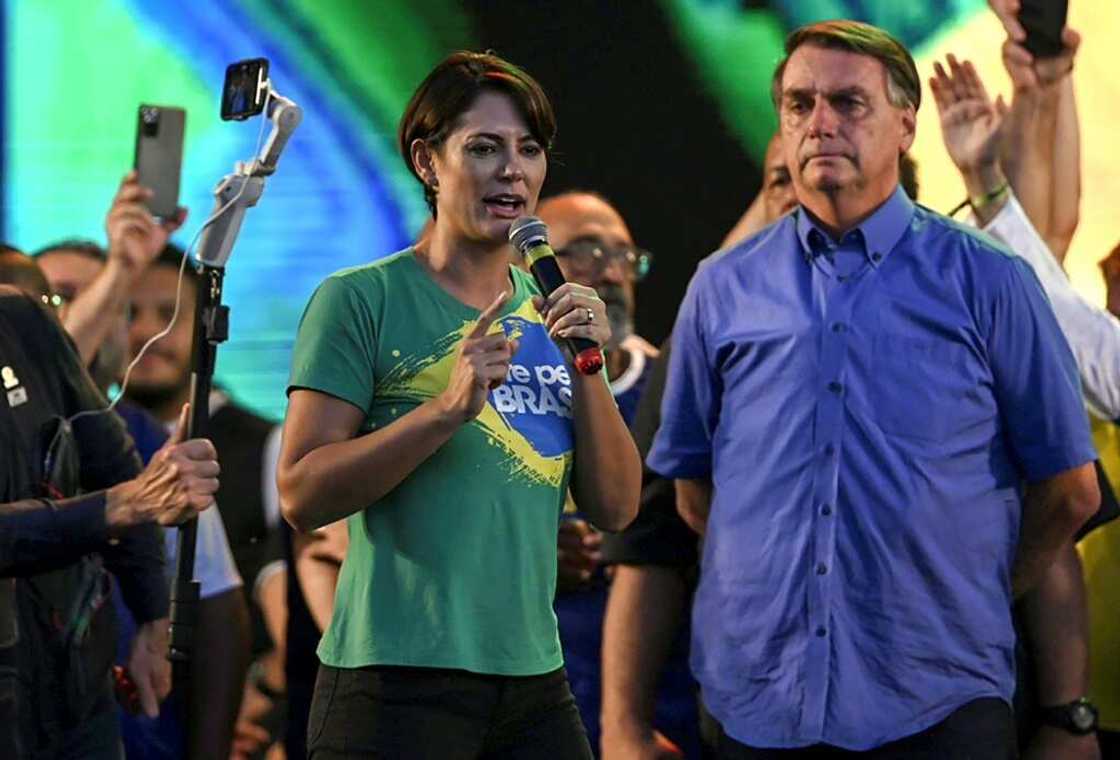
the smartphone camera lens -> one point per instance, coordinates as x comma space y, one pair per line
149, 121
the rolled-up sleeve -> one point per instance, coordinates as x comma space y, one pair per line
682, 447
1036, 379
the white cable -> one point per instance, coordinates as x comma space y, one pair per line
179, 282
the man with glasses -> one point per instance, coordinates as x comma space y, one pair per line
594, 248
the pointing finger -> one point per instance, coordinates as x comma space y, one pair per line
487, 317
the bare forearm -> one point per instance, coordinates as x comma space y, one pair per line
1055, 617
694, 503
339, 479
273, 601
1027, 156
1053, 511
93, 313
637, 636
1065, 195
607, 476
221, 659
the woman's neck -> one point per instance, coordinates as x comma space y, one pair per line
471, 271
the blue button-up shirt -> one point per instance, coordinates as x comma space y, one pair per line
867, 410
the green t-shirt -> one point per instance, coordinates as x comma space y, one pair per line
456, 566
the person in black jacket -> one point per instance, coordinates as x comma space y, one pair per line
74, 502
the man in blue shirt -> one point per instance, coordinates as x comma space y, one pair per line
873, 416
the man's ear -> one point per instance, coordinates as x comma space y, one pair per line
909, 128
423, 158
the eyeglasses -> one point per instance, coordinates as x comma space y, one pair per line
591, 257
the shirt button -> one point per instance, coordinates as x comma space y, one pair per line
821, 632
841, 278
835, 387
876, 257
829, 450
821, 569
826, 510
839, 327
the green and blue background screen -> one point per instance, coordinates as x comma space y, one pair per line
663, 106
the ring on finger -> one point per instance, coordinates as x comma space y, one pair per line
590, 315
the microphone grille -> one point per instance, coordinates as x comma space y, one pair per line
527, 230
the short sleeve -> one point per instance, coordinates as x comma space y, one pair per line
1036, 381
335, 347
647, 415
682, 447
214, 568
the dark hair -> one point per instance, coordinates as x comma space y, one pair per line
452, 87
20, 270
83, 246
904, 88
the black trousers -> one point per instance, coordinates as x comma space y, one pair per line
983, 729
422, 713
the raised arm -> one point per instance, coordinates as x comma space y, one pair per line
135, 239
1065, 198
1041, 153
972, 128
1065, 170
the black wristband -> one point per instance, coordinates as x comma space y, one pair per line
1078, 717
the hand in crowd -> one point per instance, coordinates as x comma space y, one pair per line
251, 735
575, 311
135, 237
179, 482
1007, 11
652, 746
148, 665
481, 366
971, 124
1058, 744
578, 554
1028, 73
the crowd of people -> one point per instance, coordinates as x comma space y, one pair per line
858, 504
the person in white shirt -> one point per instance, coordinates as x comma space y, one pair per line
974, 129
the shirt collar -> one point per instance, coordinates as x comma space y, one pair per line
879, 232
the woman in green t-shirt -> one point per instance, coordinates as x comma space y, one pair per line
431, 406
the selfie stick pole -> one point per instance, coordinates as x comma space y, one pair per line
233, 195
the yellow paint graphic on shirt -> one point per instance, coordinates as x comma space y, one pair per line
527, 418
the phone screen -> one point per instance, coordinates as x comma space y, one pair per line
243, 91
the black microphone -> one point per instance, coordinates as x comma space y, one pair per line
529, 236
